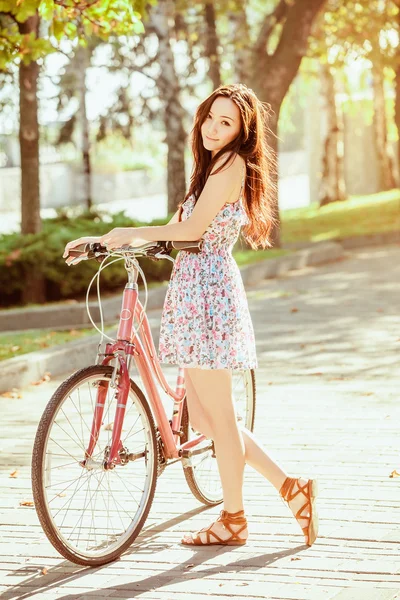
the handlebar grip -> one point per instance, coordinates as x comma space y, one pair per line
192, 246
78, 250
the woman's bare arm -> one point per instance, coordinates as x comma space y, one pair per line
216, 192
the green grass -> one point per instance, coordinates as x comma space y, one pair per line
21, 342
246, 257
360, 215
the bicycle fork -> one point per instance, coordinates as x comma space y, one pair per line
114, 452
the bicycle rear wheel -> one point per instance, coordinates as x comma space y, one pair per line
89, 514
201, 470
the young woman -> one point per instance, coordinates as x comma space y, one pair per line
206, 325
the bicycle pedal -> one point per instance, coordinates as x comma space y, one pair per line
188, 453
180, 433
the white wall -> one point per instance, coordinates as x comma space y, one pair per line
60, 186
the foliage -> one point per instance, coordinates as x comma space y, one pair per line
362, 30
62, 19
42, 254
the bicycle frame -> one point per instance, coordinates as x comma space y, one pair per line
129, 344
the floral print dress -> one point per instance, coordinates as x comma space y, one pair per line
205, 322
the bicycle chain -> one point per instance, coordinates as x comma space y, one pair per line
161, 462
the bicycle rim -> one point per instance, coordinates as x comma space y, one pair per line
92, 516
202, 474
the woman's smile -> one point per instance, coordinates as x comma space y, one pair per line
222, 121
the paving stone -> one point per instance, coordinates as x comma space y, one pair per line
327, 406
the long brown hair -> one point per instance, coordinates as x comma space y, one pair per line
252, 145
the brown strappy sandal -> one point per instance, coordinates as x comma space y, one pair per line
227, 519
310, 491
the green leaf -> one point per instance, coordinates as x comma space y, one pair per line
46, 9
26, 9
7, 6
103, 19
58, 29
70, 29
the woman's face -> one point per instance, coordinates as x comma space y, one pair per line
221, 125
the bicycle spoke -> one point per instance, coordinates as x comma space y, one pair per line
70, 424
93, 508
81, 420
119, 514
84, 509
102, 508
66, 452
123, 483
82, 447
72, 495
126, 415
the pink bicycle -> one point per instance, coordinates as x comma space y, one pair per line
103, 440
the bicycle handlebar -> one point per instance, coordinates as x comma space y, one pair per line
153, 250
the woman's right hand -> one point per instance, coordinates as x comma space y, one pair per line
77, 242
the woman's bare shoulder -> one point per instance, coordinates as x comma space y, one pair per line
234, 163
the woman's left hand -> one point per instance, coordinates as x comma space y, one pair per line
121, 236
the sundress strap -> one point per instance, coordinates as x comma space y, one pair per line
243, 178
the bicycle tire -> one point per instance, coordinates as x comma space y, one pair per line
38, 467
190, 472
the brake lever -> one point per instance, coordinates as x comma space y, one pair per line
77, 259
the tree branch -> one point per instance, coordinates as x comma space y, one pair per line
78, 5
140, 70
270, 21
280, 68
8, 14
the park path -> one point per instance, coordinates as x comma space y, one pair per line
328, 342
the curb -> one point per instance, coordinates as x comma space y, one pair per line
64, 316
22, 370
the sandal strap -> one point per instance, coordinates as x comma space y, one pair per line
227, 519
286, 490
232, 517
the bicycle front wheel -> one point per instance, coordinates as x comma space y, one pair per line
89, 514
201, 470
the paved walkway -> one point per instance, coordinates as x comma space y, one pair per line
328, 405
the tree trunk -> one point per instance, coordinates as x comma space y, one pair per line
397, 103
332, 185
383, 151
211, 45
29, 148
240, 37
397, 117
83, 64
169, 89
271, 75
29, 140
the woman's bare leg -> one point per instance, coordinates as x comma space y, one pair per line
255, 455
214, 389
